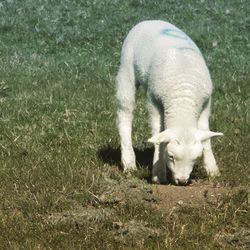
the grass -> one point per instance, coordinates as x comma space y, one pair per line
60, 186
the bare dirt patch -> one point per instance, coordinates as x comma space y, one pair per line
119, 212
165, 198
197, 194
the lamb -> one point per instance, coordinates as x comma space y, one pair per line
168, 64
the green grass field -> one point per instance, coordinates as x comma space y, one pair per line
60, 183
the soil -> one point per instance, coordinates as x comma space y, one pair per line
166, 198
196, 194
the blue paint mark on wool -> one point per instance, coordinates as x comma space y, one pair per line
174, 33
187, 48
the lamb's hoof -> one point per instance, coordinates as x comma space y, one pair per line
129, 169
212, 169
157, 180
213, 174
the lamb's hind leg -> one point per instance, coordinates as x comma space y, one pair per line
126, 102
159, 169
208, 156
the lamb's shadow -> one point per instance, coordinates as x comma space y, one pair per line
144, 158
112, 156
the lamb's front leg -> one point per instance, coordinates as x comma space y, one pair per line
159, 170
208, 156
125, 130
126, 103
209, 160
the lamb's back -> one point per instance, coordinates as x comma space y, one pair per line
168, 61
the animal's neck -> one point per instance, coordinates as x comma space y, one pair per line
183, 118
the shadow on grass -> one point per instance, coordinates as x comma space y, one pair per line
112, 156
144, 158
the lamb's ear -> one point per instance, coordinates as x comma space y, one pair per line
205, 135
164, 136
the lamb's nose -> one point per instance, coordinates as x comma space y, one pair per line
181, 181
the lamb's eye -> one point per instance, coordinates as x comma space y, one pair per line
171, 157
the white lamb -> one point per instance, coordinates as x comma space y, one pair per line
163, 59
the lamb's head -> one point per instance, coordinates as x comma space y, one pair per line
182, 148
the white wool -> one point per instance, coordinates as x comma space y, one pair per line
168, 64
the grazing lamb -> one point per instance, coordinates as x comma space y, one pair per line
163, 59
